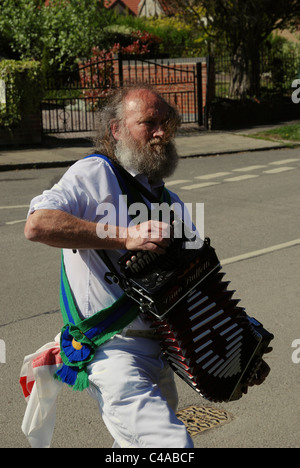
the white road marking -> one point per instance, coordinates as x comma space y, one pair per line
176, 182
248, 168
16, 222
195, 186
284, 161
258, 253
213, 176
239, 178
13, 207
235, 178
278, 170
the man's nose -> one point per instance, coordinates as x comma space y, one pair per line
159, 130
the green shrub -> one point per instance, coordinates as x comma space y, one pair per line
24, 90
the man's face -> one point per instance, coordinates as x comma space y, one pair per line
145, 118
143, 143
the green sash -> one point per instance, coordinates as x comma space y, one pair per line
80, 338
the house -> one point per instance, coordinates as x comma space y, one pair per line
124, 6
155, 8
141, 7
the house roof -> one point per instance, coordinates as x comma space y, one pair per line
166, 7
132, 5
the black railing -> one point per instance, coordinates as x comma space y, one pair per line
277, 72
72, 99
69, 115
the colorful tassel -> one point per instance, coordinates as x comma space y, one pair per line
67, 374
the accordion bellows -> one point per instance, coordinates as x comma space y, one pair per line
208, 340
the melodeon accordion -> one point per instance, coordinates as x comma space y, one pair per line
208, 340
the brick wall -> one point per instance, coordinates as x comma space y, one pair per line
177, 81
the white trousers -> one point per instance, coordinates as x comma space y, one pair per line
137, 396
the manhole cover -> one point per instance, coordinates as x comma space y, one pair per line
201, 418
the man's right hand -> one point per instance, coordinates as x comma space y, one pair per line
150, 235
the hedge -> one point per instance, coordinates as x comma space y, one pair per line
24, 89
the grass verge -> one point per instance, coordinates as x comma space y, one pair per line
286, 133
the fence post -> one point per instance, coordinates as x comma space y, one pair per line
199, 93
120, 64
210, 90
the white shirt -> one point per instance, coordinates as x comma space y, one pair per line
82, 192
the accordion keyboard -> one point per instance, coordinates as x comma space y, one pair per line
211, 343
207, 338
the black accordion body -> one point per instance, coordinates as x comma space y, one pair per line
208, 340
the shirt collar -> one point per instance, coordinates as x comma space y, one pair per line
144, 180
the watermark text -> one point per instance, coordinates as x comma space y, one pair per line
296, 353
177, 216
296, 93
2, 352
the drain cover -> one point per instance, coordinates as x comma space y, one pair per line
201, 418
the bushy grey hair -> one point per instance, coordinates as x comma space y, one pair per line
113, 110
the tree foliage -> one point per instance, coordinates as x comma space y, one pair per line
59, 32
177, 37
245, 25
61, 29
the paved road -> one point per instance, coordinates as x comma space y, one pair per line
251, 203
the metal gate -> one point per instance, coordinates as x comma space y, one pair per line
72, 99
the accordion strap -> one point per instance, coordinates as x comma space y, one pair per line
112, 276
140, 187
123, 175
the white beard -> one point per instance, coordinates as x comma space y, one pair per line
156, 160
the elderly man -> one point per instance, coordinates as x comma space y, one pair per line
123, 363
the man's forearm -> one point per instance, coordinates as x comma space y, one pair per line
60, 229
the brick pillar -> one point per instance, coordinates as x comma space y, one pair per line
27, 132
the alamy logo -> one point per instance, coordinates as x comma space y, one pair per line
2, 352
296, 353
296, 93
139, 213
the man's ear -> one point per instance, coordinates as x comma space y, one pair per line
115, 129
